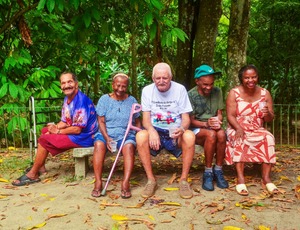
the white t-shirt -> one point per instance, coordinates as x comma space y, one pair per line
166, 107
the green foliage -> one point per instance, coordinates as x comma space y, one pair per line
274, 47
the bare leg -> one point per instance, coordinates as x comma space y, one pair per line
221, 145
128, 152
142, 139
188, 149
266, 170
98, 160
207, 139
240, 172
39, 162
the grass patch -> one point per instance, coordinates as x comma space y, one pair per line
12, 164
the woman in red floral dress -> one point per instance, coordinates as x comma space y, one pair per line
247, 139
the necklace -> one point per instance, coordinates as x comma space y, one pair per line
120, 103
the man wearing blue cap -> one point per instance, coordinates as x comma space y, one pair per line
206, 120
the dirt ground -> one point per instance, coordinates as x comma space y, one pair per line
60, 202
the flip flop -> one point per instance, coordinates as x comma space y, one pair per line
242, 189
125, 194
25, 180
96, 193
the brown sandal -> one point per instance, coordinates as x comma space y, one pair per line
125, 194
96, 193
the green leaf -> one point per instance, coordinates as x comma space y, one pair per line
87, 20
176, 32
75, 3
9, 62
148, 19
50, 5
152, 31
13, 90
41, 4
3, 90
96, 14
157, 4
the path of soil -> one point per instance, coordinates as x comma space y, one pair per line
60, 203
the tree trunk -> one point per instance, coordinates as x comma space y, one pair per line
184, 61
237, 39
207, 31
133, 71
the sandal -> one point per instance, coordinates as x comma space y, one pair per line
125, 194
96, 193
271, 188
25, 180
242, 189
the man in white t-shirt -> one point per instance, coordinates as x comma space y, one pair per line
165, 105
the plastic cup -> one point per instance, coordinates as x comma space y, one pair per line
113, 146
172, 130
261, 104
216, 122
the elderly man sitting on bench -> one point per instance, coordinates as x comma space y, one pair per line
76, 129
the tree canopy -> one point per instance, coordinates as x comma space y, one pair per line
42, 38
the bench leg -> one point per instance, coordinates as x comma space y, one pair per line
81, 166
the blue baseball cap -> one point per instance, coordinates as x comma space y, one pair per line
205, 70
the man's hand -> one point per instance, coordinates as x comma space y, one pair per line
154, 139
53, 129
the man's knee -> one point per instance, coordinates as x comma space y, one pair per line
189, 137
142, 137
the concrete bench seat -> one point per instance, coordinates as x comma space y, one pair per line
81, 156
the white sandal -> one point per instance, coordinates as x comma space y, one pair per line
242, 189
272, 188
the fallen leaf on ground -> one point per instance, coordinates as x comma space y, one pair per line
170, 203
173, 214
37, 226
56, 216
171, 180
262, 227
72, 184
214, 222
171, 189
232, 228
3, 180
139, 205
297, 191
285, 178
166, 221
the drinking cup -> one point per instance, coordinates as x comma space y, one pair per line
216, 122
113, 145
261, 104
172, 130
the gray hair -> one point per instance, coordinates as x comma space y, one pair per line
164, 66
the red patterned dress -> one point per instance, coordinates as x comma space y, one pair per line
258, 144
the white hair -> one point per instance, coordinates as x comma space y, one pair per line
164, 66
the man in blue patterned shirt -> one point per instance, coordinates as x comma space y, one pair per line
76, 128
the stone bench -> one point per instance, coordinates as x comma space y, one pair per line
81, 156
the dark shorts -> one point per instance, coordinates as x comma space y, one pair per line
56, 143
166, 143
99, 137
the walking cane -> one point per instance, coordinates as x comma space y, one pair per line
134, 109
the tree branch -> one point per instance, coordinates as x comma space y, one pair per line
16, 16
